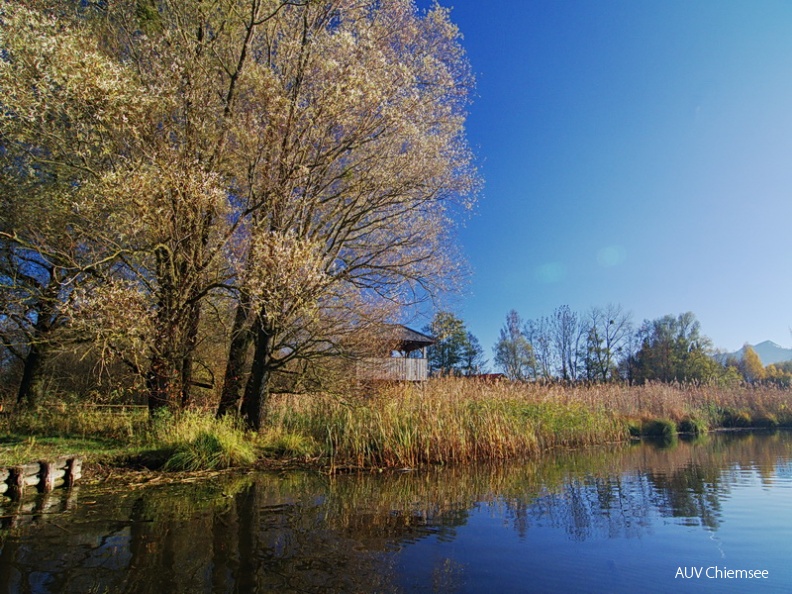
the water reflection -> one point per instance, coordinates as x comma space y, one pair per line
302, 531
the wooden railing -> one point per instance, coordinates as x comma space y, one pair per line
393, 369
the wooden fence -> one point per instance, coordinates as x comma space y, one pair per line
45, 476
393, 369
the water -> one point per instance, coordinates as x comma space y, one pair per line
621, 518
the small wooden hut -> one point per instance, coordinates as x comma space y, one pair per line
401, 356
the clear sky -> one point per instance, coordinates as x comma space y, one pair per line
633, 152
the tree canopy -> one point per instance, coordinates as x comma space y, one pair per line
456, 350
286, 170
673, 349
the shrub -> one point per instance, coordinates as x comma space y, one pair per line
740, 418
693, 425
665, 428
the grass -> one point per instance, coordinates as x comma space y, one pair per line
444, 421
662, 428
200, 442
189, 441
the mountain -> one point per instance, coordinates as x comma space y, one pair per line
769, 352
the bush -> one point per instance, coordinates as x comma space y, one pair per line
736, 419
693, 426
665, 428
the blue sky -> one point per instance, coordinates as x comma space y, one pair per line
633, 152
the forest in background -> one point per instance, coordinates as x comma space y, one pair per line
601, 345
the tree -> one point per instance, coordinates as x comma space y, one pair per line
446, 356
359, 152
122, 126
456, 350
538, 333
780, 373
294, 162
673, 349
607, 330
473, 361
61, 115
567, 333
750, 365
513, 353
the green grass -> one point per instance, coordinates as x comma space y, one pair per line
189, 441
200, 442
23, 449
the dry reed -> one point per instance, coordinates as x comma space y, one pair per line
444, 421
459, 420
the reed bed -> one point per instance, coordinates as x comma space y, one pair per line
444, 421
456, 420
715, 406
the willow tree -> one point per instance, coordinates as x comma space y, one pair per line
356, 155
129, 105
63, 110
295, 157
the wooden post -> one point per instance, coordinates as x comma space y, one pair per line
16, 481
46, 476
73, 472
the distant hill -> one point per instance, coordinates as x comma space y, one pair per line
769, 352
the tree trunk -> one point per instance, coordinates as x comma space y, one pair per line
190, 342
254, 402
238, 361
170, 370
32, 385
31, 388
162, 384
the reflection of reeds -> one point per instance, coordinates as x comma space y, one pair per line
306, 531
457, 421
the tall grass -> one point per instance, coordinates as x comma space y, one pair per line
445, 421
711, 405
194, 441
458, 421
70, 421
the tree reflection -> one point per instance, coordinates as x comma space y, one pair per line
307, 532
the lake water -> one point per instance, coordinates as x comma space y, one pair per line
626, 518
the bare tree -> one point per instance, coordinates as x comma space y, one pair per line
538, 332
607, 331
567, 338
